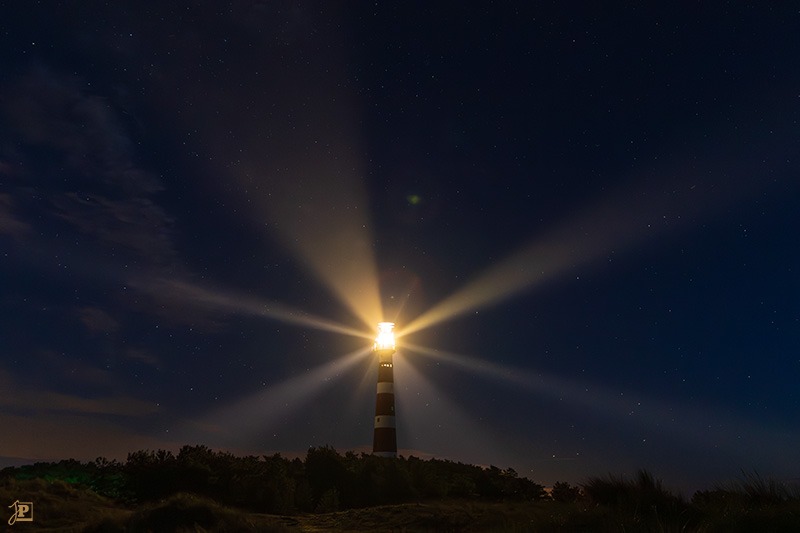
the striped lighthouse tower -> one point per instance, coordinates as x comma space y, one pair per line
384, 442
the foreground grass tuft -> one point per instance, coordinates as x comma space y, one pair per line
750, 504
641, 503
59, 506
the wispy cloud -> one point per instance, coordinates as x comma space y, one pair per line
97, 321
10, 223
134, 225
89, 208
57, 402
32, 399
142, 356
69, 370
83, 129
79, 437
90, 179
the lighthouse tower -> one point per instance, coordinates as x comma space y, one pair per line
384, 442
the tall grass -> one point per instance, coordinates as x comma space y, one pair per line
59, 506
760, 491
751, 503
640, 504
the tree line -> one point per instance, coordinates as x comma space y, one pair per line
322, 482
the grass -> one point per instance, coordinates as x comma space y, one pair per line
58, 506
436, 516
750, 504
605, 504
641, 504
186, 512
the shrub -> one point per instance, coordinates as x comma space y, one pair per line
565, 493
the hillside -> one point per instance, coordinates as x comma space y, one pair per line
203, 490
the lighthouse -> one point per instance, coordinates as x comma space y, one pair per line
384, 442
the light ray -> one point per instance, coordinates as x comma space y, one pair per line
688, 424
472, 364
583, 395
316, 202
177, 291
428, 420
626, 218
366, 386
265, 409
326, 225
299, 168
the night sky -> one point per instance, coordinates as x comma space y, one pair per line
584, 221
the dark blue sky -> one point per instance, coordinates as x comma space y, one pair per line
584, 219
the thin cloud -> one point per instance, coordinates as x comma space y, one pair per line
97, 321
89, 203
10, 223
90, 180
71, 370
142, 356
58, 402
46, 109
79, 437
30, 399
136, 225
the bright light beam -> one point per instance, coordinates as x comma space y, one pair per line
327, 228
472, 364
264, 409
623, 220
177, 291
299, 165
551, 386
683, 423
438, 425
317, 202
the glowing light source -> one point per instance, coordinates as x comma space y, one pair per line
385, 338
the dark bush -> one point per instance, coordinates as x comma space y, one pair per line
325, 481
565, 493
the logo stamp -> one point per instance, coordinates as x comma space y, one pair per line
23, 512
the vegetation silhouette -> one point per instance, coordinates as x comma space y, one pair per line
199, 489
